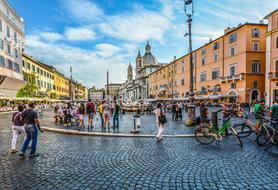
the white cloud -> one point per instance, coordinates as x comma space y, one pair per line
80, 34
83, 10
51, 36
107, 50
137, 27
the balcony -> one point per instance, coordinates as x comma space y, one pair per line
232, 78
163, 88
273, 76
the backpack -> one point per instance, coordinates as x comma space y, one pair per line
90, 107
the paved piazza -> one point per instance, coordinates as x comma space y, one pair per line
77, 162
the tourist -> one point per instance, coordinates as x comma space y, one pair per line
259, 114
81, 111
203, 114
116, 116
160, 126
273, 114
90, 107
180, 105
17, 128
32, 124
106, 115
100, 111
174, 112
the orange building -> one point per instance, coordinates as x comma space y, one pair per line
231, 67
271, 80
161, 82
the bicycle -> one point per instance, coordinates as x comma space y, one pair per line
244, 129
267, 132
207, 134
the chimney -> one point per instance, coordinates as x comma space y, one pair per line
227, 30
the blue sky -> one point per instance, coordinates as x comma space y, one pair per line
93, 35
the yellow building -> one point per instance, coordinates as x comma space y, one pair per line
61, 86
39, 75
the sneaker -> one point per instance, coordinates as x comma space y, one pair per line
22, 156
33, 155
13, 151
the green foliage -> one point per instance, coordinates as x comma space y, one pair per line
30, 88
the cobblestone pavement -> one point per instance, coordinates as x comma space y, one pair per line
75, 162
126, 123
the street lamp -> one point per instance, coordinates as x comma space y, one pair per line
189, 12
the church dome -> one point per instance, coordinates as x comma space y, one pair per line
149, 58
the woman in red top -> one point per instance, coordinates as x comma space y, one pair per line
17, 128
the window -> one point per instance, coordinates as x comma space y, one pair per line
276, 41
203, 61
10, 64
38, 83
182, 61
2, 61
41, 83
233, 85
44, 73
44, 84
276, 66
28, 66
16, 67
23, 63
48, 75
9, 49
182, 81
33, 68
41, 72
16, 53
215, 74
255, 47
215, 45
204, 51
255, 84
232, 70
8, 31
215, 57
15, 37
203, 77
232, 51
256, 67
182, 69
1, 29
255, 33
1, 44
232, 38
38, 70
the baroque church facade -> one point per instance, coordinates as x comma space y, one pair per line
136, 88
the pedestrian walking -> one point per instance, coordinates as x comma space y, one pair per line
106, 115
116, 116
174, 113
160, 121
81, 111
17, 128
32, 125
100, 111
91, 109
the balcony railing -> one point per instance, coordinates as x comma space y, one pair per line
272, 75
232, 78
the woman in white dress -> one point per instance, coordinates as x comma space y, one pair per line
160, 127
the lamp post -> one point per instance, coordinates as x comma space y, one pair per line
189, 11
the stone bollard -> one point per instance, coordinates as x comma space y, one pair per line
135, 129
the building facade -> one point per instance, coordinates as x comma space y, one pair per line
11, 48
230, 68
61, 86
39, 75
271, 77
96, 94
138, 88
113, 90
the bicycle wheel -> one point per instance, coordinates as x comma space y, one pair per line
243, 130
204, 135
262, 137
236, 136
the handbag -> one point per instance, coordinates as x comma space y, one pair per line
162, 118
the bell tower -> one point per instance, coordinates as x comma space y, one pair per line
129, 72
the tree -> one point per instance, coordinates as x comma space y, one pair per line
30, 88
